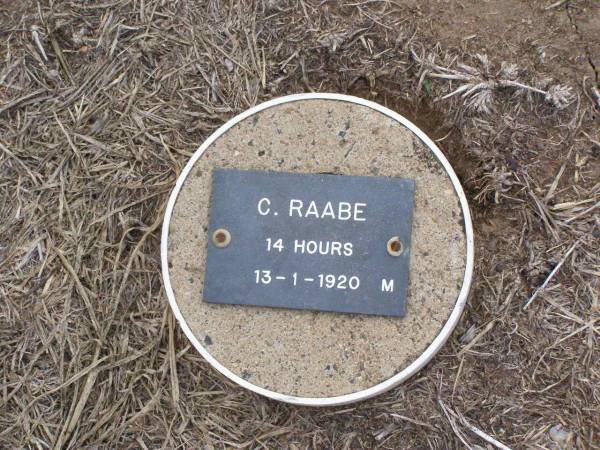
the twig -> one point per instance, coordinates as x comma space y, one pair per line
413, 421
467, 347
19, 161
172, 359
70, 424
452, 422
20, 100
456, 415
486, 437
545, 283
61, 59
38, 42
583, 213
555, 5
80, 288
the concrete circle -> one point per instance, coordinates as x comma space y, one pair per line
308, 357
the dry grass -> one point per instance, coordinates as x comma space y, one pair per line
101, 103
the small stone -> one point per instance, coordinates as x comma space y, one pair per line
53, 74
228, 64
468, 335
559, 434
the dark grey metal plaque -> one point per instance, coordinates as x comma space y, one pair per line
309, 241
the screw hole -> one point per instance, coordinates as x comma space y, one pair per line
221, 237
395, 246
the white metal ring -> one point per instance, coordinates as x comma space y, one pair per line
429, 352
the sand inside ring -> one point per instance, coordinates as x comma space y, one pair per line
319, 354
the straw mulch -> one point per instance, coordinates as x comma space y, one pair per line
102, 103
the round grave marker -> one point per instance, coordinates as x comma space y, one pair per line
317, 249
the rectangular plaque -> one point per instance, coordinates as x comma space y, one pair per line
309, 241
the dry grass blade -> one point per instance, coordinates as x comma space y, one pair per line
452, 420
82, 291
455, 415
551, 275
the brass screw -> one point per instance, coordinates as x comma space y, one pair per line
221, 238
395, 246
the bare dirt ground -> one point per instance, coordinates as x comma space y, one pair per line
101, 104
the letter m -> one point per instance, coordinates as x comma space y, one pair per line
387, 285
